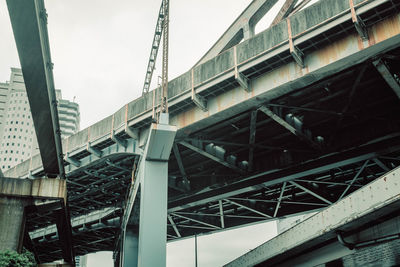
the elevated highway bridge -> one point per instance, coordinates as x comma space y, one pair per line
290, 120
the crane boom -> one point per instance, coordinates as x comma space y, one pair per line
164, 77
154, 49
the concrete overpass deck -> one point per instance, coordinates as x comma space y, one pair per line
290, 120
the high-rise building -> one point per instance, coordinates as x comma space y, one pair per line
3, 100
81, 261
68, 115
17, 133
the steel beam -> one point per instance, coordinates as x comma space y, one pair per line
247, 208
311, 192
381, 164
29, 23
196, 221
354, 179
278, 204
273, 177
276, 201
298, 132
171, 221
64, 231
208, 155
221, 213
252, 138
387, 75
180, 166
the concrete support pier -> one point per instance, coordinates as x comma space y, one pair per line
147, 246
15, 195
12, 222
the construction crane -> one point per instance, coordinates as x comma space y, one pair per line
162, 30
164, 77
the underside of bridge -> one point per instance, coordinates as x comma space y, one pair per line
326, 125
350, 135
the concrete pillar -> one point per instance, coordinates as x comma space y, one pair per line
130, 247
148, 249
153, 214
15, 195
12, 222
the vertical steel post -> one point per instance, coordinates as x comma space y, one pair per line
164, 83
195, 250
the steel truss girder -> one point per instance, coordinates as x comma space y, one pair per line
272, 177
212, 157
298, 132
311, 192
247, 208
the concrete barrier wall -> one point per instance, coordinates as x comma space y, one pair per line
262, 41
100, 129
119, 117
75, 141
213, 67
180, 84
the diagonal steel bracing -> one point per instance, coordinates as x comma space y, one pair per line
221, 213
388, 76
311, 192
247, 208
181, 167
171, 221
354, 179
194, 220
208, 155
301, 133
278, 204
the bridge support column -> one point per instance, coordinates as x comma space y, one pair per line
130, 247
15, 195
12, 222
149, 247
153, 214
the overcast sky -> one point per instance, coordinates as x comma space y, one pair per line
100, 50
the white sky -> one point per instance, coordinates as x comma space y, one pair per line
100, 50
212, 250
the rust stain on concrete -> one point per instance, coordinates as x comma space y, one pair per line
386, 29
331, 52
